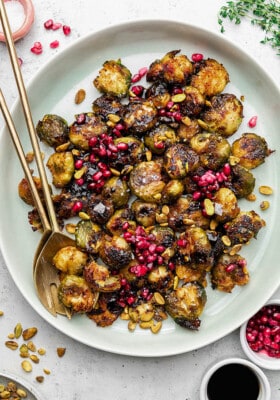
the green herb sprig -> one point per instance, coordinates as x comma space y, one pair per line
262, 13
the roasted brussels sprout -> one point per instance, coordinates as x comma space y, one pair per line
212, 149
188, 274
161, 279
224, 115
115, 252
85, 127
70, 260
105, 311
140, 116
62, 168
229, 270
172, 191
173, 69
186, 212
241, 182
158, 94
160, 138
121, 216
194, 102
185, 304
244, 227
179, 159
146, 181
210, 77
74, 292
144, 212
100, 210
117, 190
105, 106
53, 130
195, 249
100, 279
88, 236
25, 193
251, 150
188, 129
114, 79
134, 153
226, 206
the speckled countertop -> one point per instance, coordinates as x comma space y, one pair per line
83, 372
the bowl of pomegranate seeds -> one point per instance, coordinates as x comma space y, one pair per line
260, 336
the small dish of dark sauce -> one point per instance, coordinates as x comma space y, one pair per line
232, 382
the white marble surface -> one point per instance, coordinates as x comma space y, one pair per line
86, 373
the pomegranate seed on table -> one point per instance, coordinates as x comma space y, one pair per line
54, 44
66, 30
48, 24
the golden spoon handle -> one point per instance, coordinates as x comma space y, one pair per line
24, 164
28, 116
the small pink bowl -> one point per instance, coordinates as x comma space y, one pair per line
259, 358
27, 23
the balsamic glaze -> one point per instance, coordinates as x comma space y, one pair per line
233, 382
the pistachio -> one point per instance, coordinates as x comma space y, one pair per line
21, 393
41, 351
11, 336
31, 346
40, 378
61, 351
2, 388
1, 313
146, 324
178, 98
226, 240
18, 330
71, 228
158, 298
46, 371
155, 328
209, 207
80, 96
34, 358
26, 366
29, 333
266, 190
84, 216
251, 197
114, 118
23, 348
11, 344
131, 326
264, 205
5, 394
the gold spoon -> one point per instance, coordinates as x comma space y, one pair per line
44, 275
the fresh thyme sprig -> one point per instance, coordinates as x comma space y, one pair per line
265, 14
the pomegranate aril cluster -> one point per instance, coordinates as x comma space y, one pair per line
147, 252
263, 331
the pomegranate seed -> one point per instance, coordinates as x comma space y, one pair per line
181, 242
137, 90
54, 44
142, 71
80, 119
77, 207
122, 146
230, 267
79, 164
97, 176
136, 78
37, 48
106, 174
56, 26
196, 195
252, 121
80, 181
227, 169
48, 24
92, 141
66, 30
196, 57
20, 61
177, 91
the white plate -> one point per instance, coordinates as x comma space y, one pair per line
52, 91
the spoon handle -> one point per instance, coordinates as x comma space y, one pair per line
28, 116
24, 164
